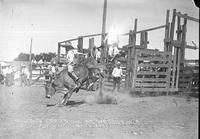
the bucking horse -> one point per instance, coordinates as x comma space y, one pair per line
84, 69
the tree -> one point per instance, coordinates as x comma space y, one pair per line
38, 57
23, 57
44, 56
48, 56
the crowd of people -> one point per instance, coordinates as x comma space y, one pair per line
10, 74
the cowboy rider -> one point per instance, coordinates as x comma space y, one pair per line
72, 60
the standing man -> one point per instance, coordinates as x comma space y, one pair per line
13, 75
98, 55
7, 73
117, 74
24, 75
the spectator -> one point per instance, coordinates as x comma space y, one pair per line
117, 74
98, 55
113, 50
9, 74
13, 70
24, 75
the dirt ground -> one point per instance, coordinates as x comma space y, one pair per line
26, 113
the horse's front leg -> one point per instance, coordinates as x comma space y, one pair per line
67, 96
63, 102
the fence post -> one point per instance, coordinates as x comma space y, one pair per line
167, 28
144, 39
172, 30
80, 44
183, 40
91, 46
128, 66
59, 46
133, 53
179, 32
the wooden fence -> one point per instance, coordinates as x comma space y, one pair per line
151, 71
189, 76
172, 58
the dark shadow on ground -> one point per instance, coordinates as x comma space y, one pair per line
74, 103
70, 103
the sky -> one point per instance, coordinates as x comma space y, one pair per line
51, 21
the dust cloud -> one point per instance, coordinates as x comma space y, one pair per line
108, 97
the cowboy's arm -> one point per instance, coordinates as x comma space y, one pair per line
113, 72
